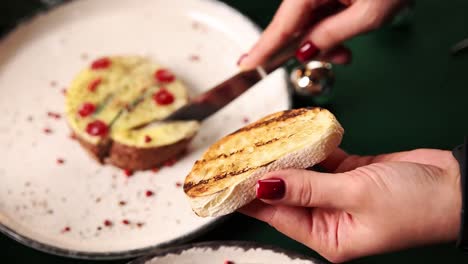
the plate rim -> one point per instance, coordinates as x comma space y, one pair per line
216, 244
123, 254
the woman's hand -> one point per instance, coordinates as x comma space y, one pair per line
300, 16
369, 205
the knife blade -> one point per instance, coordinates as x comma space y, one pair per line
208, 103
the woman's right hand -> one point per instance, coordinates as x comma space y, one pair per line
327, 34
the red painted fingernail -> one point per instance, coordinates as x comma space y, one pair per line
242, 57
306, 51
271, 189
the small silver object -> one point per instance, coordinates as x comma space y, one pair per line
313, 78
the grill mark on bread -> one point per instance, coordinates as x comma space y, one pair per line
257, 144
283, 117
190, 185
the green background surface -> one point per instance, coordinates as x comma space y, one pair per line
404, 90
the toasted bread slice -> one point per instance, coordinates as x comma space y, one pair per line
223, 180
123, 94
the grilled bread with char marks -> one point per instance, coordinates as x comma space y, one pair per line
224, 179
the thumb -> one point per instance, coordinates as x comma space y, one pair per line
305, 188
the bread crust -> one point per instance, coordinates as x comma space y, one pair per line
223, 180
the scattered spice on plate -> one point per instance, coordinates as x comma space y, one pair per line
155, 169
228, 262
246, 120
178, 184
122, 203
125, 222
54, 115
84, 56
53, 83
64, 91
149, 193
66, 229
60, 161
140, 224
72, 136
47, 130
194, 58
108, 223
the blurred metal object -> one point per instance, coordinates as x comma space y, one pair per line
314, 78
460, 46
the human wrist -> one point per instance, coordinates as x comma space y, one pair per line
460, 153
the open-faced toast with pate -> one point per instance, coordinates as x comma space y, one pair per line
109, 103
224, 179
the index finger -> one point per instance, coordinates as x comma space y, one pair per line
291, 17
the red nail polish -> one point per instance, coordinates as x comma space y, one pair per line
243, 56
271, 189
306, 51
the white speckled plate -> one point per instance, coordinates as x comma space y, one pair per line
52, 195
225, 252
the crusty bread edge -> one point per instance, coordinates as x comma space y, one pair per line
230, 199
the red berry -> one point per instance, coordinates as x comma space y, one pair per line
86, 109
108, 223
149, 193
101, 63
128, 172
164, 76
148, 139
94, 84
97, 128
163, 97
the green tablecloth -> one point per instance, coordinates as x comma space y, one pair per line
403, 90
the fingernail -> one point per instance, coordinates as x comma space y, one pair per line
306, 51
271, 189
241, 58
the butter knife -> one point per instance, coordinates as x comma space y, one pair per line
211, 101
